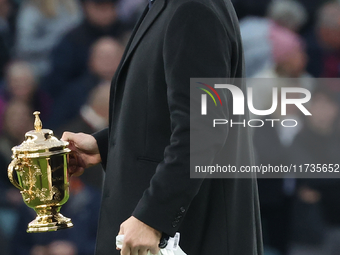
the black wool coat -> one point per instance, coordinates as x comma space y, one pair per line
145, 150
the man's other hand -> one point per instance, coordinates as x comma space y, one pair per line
139, 238
85, 152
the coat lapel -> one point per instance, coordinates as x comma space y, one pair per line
149, 18
145, 21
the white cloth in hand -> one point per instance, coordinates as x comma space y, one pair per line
166, 251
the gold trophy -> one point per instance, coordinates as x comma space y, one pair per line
40, 164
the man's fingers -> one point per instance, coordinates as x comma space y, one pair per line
143, 252
73, 158
134, 251
154, 250
72, 146
125, 250
74, 169
73, 139
78, 172
67, 136
128, 249
139, 237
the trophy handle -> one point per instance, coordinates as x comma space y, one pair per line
10, 173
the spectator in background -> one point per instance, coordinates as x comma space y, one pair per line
103, 62
17, 120
10, 200
257, 33
323, 43
71, 56
273, 147
312, 8
40, 25
316, 223
289, 14
290, 61
288, 53
6, 11
21, 85
7, 30
93, 116
130, 10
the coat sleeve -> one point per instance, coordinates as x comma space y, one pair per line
102, 138
196, 44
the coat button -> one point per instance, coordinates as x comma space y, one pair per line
182, 209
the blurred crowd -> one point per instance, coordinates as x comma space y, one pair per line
290, 43
58, 57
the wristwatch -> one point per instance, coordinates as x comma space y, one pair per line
164, 241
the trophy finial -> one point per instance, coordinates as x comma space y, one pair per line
37, 121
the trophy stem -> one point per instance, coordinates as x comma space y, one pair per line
48, 219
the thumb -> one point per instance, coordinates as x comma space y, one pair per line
71, 139
67, 136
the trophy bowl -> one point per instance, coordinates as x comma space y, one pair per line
40, 165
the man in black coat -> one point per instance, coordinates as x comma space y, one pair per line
145, 150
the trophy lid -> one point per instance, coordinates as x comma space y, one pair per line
40, 140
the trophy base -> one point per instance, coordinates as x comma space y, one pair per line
48, 223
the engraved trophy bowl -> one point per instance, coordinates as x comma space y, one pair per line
40, 164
